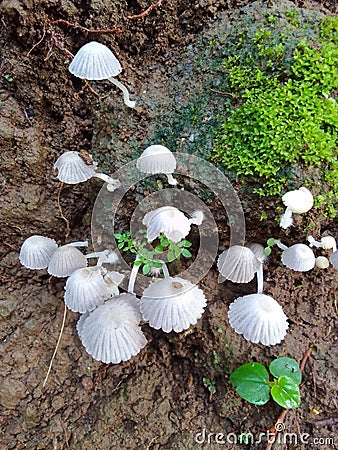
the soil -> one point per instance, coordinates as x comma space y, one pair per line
157, 400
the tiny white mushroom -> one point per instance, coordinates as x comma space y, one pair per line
95, 61
299, 257
172, 304
66, 260
238, 264
37, 251
157, 159
298, 201
72, 169
85, 289
259, 318
322, 262
111, 332
167, 220
113, 279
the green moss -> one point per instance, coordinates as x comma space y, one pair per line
286, 114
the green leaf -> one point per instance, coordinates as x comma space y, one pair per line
158, 249
171, 256
270, 242
146, 269
138, 263
251, 383
286, 367
186, 253
120, 245
117, 235
267, 251
177, 252
286, 393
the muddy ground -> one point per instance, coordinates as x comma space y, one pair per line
157, 400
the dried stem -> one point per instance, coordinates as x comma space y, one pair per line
61, 212
147, 11
57, 345
273, 431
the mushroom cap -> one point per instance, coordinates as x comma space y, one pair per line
37, 251
322, 262
238, 264
298, 201
111, 333
156, 159
172, 304
299, 257
72, 169
95, 61
258, 251
113, 279
167, 220
328, 242
85, 289
65, 261
259, 318
334, 259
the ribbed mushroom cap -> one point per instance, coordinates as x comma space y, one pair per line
172, 304
95, 61
238, 264
85, 289
259, 318
72, 168
298, 201
113, 280
334, 259
111, 333
258, 251
299, 257
328, 242
37, 251
65, 261
156, 159
167, 220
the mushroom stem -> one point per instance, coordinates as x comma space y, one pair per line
78, 244
286, 219
260, 279
280, 244
126, 98
132, 277
106, 256
112, 183
313, 242
165, 270
171, 180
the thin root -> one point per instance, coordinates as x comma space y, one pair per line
147, 11
61, 212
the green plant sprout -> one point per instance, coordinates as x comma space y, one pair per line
210, 385
269, 244
251, 382
147, 258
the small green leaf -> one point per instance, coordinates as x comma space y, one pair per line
267, 251
251, 383
171, 256
286, 367
138, 263
177, 252
158, 249
286, 393
117, 235
120, 245
186, 253
156, 264
146, 269
270, 242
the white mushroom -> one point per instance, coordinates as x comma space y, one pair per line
298, 201
326, 242
157, 159
172, 304
259, 318
238, 264
66, 260
113, 280
85, 289
299, 257
95, 61
322, 262
111, 332
37, 251
334, 259
167, 220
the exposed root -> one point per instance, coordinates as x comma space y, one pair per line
147, 11
61, 212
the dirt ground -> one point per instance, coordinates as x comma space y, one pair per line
157, 400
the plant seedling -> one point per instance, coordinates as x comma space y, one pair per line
251, 382
269, 244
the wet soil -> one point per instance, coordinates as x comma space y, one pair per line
157, 400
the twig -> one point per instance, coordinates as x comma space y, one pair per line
57, 345
147, 11
66, 434
88, 30
279, 425
61, 212
222, 93
39, 42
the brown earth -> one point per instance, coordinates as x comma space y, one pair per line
157, 400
